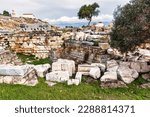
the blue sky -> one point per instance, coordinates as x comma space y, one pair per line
60, 10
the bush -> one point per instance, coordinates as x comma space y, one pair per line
131, 25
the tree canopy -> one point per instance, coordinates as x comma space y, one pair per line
131, 25
6, 13
88, 11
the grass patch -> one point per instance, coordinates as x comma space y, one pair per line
31, 59
62, 91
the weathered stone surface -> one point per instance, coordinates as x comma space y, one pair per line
69, 62
101, 66
136, 66
64, 65
122, 63
58, 76
145, 67
146, 56
73, 82
104, 46
79, 76
112, 66
8, 70
110, 51
84, 68
126, 74
29, 78
42, 69
114, 84
95, 72
146, 76
146, 85
109, 76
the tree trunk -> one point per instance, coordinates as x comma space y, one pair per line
89, 22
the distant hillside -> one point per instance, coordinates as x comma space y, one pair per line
10, 23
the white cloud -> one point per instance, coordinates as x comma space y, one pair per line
67, 19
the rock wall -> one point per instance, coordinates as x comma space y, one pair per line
7, 57
35, 43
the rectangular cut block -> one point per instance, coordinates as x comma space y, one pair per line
8, 70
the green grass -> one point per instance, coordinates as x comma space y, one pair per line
31, 59
62, 91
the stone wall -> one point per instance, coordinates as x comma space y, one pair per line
83, 53
7, 57
36, 43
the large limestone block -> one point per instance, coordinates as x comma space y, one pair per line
126, 74
84, 68
70, 62
8, 70
109, 76
58, 76
29, 79
112, 66
56, 66
42, 69
64, 65
95, 72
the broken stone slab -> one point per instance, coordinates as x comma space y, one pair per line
145, 67
112, 66
114, 84
101, 66
95, 72
146, 85
146, 76
136, 66
58, 76
42, 69
79, 76
109, 76
122, 63
29, 79
146, 56
126, 74
9, 70
50, 83
143, 51
73, 82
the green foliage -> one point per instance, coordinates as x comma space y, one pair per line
131, 25
6, 13
31, 59
88, 11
